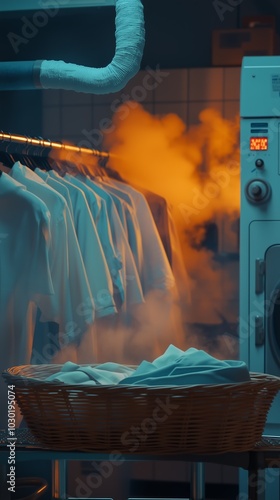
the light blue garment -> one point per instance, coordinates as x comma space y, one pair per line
174, 368
98, 211
191, 367
72, 305
156, 271
105, 374
132, 285
57, 186
25, 275
92, 253
131, 223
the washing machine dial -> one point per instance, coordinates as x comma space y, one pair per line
258, 191
259, 162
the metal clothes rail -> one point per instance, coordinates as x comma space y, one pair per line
43, 147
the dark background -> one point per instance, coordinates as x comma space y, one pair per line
178, 35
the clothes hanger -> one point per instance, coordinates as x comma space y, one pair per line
6, 155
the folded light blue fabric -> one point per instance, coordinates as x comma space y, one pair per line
174, 368
192, 367
104, 374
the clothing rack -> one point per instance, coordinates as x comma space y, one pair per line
38, 146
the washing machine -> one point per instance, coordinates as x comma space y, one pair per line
259, 311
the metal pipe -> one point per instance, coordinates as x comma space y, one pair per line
197, 481
20, 75
130, 40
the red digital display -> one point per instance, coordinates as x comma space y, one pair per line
258, 143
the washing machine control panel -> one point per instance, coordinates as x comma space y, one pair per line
258, 191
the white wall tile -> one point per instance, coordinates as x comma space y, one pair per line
231, 109
75, 98
194, 109
51, 122
179, 108
232, 83
100, 99
102, 116
149, 106
73, 139
205, 84
51, 97
139, 87
173, 87
74, 119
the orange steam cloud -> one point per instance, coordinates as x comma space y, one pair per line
197, 171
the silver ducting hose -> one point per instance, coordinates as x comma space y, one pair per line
130, 40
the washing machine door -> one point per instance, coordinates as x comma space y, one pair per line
272, 309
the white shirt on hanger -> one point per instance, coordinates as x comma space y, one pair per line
98, 210
157, 272
25, 276
60, 188
93, 256
133, 288
132, 224
72, 306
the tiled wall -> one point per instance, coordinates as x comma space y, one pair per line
67, 115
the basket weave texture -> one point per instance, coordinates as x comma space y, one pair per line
132, 419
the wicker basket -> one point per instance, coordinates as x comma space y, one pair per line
130, 419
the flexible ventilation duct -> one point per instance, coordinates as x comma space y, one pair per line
130, 39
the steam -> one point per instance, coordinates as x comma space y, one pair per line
197, 172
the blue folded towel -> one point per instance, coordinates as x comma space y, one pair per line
104, 374
174, 368
191, 367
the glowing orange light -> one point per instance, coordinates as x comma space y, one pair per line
258, 143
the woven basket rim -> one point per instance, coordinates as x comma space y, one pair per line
255, 378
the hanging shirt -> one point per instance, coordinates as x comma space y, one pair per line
98, 210
131, 222
93, 257
72, 305
25, 275
133, 288
157, 273
57, 186
160, 212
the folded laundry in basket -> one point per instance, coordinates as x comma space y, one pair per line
173, 368
104, 374
190, 367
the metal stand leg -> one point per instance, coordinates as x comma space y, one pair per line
197, 481
256, 484
59, 479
